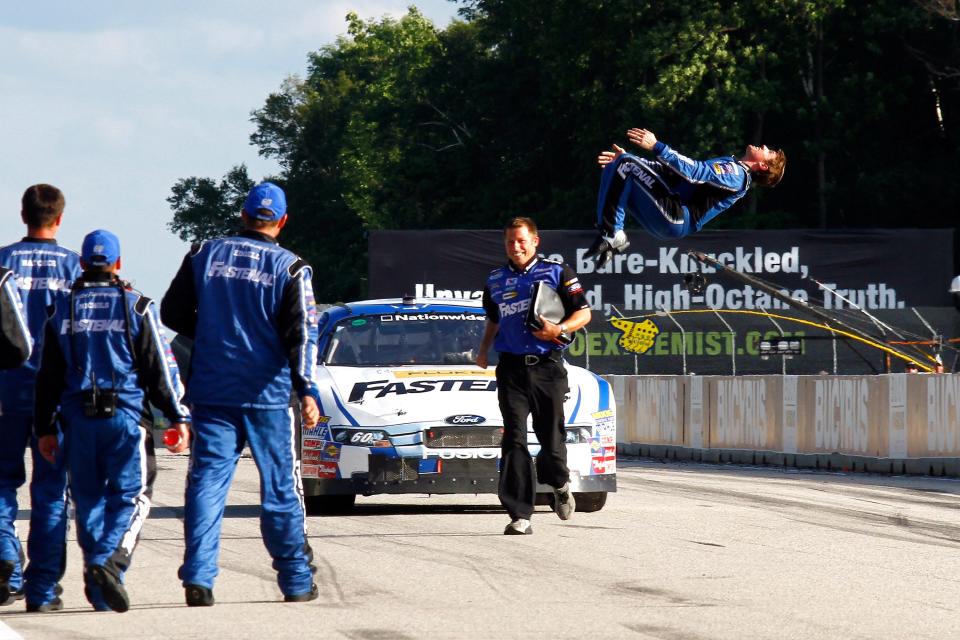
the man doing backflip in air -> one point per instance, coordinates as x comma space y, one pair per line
672, 196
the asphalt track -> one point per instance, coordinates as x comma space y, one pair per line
681, 552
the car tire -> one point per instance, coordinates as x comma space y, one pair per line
590, 502
337, 505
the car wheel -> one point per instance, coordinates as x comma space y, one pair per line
590, 502
338, 505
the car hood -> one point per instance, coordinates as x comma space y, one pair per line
397, 395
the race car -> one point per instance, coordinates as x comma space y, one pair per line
405, 409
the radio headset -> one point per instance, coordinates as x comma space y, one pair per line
97, 402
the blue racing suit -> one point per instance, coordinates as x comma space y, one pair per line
44, 271
248, 305
531, 380
103, 339
671, 197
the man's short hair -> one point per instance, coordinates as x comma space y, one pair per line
256, 224
774, 173
98, 268
521, 221
41, 205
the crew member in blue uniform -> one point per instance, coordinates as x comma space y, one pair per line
104, 356
531, 377
248, 305
43, 271
672, 196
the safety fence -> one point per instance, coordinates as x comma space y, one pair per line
895, 423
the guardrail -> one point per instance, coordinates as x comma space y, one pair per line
894, 423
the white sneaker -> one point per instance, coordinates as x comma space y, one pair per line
518, 527
618, 242
605, 247
565, 503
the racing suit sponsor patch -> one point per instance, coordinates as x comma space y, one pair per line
573, 286
223, 270
53, 284
721, 168
510, 308
92, 326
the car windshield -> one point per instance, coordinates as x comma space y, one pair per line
417, 337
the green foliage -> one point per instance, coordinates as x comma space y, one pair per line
205, 209
401, 125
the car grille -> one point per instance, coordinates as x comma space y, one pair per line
384, 469
471, 468
452, 437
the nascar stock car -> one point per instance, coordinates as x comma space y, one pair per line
405, 409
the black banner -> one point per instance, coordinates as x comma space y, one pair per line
900, 277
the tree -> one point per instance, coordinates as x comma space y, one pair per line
204, 209
401, 125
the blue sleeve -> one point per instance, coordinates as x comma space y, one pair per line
725, 172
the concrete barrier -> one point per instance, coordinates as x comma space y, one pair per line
894, 423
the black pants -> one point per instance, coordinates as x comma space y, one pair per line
536, 390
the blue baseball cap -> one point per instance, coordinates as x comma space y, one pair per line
100, 248
266, 196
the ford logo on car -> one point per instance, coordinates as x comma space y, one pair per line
465, 419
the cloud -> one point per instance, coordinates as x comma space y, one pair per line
116, 132
114, 101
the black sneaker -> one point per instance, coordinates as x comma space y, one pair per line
54, 605
113, 591
313, 594
13, 597
198, 596
6, 570
518, 527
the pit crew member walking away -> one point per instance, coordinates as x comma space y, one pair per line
248, 305
531, 378
672, 196
43, 271
104, 356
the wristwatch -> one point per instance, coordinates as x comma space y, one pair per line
563, 328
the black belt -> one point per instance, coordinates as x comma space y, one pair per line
530, 359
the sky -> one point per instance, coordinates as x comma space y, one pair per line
114, 101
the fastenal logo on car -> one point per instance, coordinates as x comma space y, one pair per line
465, 419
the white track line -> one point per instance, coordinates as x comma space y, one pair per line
6, 633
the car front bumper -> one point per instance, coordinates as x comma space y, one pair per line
395, 475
